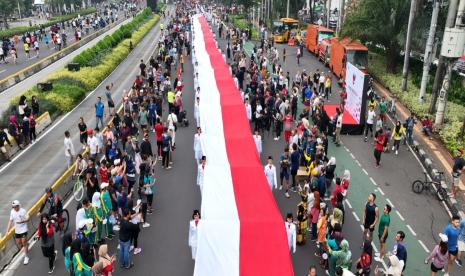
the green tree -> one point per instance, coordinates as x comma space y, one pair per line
7, 7
382, 23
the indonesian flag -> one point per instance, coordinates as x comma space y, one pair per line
241, 231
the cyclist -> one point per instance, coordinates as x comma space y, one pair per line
55, 210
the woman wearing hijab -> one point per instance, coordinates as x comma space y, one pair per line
193, 226
66, 250
364, 262
340, 258
47, 241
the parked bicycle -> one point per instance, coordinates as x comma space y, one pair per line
433, 186
78, 189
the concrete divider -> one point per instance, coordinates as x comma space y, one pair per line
36, 67
42, 122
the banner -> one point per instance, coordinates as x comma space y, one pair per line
355, 82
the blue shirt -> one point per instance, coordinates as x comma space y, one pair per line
401, 252
308, 93
99, 109
295, 158
452, 235
462, 230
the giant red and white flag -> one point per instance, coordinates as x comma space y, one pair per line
241, 231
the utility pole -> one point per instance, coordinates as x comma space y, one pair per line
328, 14
452, 48
413, 8
287, 9
428, 57
341, 16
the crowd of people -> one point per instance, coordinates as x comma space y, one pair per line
118, 171
58, 35
272, 99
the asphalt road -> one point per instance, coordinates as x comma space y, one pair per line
23, 61
164, 244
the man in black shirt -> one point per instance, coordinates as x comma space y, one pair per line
459, 163
127, 230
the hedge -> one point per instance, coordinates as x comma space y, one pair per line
240, 22
70, 88
450, 133
93, 55
57, 19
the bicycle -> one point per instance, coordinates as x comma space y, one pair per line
78, 189
434, 186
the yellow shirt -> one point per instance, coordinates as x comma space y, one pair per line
170, 96
26, 47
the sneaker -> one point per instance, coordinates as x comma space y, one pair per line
397, 152
446, 274
280, 187
458, 262
131, 248
117, 248
160, 158
171, 162
276, 138
26, 260
145, 225
149, 212
56, 256
137, 250
169, 167
287, 195
51, 270
366, 139
393, 148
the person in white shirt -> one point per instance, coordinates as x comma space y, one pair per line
197, 111
291, 232
369, 122
198, 153
69, 149
248, 110
258, 142
321, 86
172, 120
193, 226
19, 217
270, 174
201, 172
338, 127
93, 143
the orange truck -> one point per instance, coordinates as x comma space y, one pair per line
347, 50
315, 34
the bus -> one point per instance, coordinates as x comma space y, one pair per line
282, 29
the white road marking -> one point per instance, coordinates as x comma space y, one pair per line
348, 203
390, 203
347, 149
365, 171
352, 155
355, 215
424, 246
358, 163
373, 181
400, 216
380, 191
411, 230
361, 226
1, 71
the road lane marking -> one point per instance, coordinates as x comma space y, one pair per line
365, 171
355, 215
348, 203
373, 181
361, 226
411, 230
380, 191
358, 163
347, 149
400, 216
424, 246
390, 203
1, 71
352, 155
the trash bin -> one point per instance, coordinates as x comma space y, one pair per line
44, 86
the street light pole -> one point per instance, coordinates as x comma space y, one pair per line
413, 7
341, 16
287, 9
428, 57
328, 14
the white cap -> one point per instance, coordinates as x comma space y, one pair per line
443, 237
117, 162
104, 185
15, 203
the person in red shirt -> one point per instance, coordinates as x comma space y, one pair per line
45, 234
287, 127
379, 146
158, 135
103, 172
343, 96
338, 189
